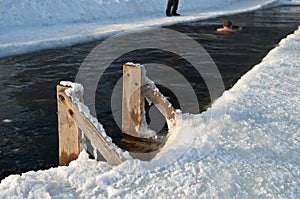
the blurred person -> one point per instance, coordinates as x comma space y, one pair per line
172, 4
228, 27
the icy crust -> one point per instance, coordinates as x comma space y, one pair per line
72, 93
134, 64
74, 88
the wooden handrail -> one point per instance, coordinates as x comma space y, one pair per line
161, 102
70, 119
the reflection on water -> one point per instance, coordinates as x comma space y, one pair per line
28, 124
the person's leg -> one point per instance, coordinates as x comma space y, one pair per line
169, 5
175, 6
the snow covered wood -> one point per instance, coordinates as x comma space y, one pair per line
137, 87
74, 117
67, 130
132, 101
68, 144
161, 102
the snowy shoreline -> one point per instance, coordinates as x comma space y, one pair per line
32, 26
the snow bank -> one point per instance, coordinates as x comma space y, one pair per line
290, 2
31, 25
251, 151
52, 12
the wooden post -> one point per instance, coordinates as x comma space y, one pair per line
67, 129
96, 138
70, 119
133, 101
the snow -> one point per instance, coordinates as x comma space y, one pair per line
251, 149
7, 120
33, 25
74, 87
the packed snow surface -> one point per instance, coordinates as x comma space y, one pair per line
251, 149
31, 25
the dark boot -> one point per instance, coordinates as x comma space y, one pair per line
175, 7
168, 10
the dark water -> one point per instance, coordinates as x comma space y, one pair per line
27, 95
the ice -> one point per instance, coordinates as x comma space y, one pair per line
74, 86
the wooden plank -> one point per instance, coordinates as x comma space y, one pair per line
67, 130
162, 104
97, 140
142, 148
132, 101
91, 132
141, 145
